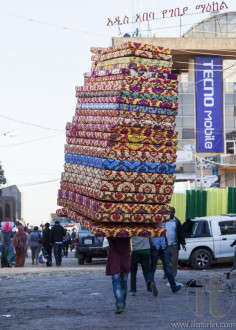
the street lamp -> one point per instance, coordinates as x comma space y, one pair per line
10, 134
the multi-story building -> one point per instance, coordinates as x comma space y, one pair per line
205, 60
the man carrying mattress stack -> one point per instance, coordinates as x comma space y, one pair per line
121, 144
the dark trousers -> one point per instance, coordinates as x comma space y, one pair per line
48, 250
144, 260
4, 262
165, 258
65, 248
234, 265
58, 253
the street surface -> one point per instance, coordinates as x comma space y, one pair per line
81, 297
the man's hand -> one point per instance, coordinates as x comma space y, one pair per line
2, 243
184, 247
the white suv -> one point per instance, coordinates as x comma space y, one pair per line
207, 239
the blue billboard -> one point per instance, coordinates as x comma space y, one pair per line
209, 104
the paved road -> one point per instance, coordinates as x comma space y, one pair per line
81, 297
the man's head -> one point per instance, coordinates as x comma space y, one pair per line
56, 222
172, 213
46, 225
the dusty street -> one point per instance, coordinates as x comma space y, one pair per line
81, 297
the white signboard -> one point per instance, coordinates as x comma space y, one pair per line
208, 181
184, 156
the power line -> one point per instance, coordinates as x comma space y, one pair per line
36, 183
54, 25
16, 144
31, 124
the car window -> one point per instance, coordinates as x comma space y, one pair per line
188, 228
201, 229
227, 227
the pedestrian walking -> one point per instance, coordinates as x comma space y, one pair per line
159, 249
175, 238
8, 253
73, 237
66, 243
20, 245
234, 262
57, 234
35, 242
140, 248
47, 246
118, 266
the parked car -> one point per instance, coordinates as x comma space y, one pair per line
208, 239
88, 247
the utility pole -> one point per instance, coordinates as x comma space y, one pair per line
201, 172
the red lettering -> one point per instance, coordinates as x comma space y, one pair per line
109, 22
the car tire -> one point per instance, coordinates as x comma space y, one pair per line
81, 260
201, 259
88, 260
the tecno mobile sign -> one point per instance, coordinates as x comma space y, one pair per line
209, 109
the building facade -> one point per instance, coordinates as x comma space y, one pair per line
10, 204
205, 60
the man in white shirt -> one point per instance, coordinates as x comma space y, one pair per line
175, 238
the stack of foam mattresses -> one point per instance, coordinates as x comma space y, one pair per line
121, 143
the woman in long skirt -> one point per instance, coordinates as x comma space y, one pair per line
20, 244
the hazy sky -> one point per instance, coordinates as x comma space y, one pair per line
43, 54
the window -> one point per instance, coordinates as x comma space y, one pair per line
7, 211
231, 147
188, 133
227, 227
201, 229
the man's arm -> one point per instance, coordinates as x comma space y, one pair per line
180, 234
2, 238
151, 245
51, 236
234, 243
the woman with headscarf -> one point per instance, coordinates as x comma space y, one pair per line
8, 253
20, 244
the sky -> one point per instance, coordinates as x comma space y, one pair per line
44, 51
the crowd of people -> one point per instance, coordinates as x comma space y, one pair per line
15, 244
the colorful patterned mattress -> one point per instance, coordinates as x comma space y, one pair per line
127, 107
116, 196
119, 176
128, 100
131, 52
120, 114
162, 83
